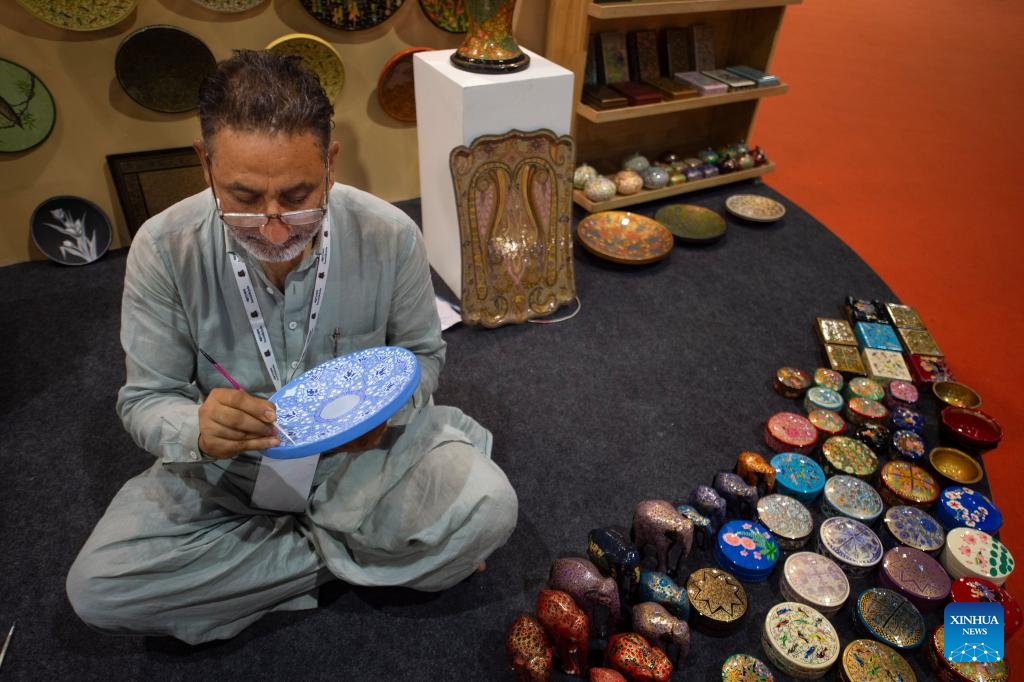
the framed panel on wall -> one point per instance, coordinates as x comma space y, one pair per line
150, 181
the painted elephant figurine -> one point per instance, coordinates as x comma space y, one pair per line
756, 471
636, 659
615, 556
708, 502
529, 649
662, 629
702, 530
659, 588
657, 523
596, 594
606, 675
568, 628
740, 497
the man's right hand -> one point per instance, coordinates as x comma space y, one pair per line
232, 421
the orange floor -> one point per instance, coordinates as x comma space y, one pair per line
901, 133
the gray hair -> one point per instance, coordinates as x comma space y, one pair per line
264, 91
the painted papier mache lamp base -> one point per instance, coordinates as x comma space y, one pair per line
489, 46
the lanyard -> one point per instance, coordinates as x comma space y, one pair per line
255, 315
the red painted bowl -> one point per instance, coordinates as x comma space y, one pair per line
970, 429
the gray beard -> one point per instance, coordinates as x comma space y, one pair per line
261, 250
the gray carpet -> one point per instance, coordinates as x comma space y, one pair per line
660, 381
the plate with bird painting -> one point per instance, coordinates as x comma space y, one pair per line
27, 112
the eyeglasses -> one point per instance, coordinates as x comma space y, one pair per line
256, 221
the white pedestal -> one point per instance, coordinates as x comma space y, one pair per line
453, 108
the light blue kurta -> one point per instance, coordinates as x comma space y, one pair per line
181, 550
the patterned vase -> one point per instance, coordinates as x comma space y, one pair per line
489, 46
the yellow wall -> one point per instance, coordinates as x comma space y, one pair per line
95, 117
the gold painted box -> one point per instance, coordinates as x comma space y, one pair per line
844, 359
867, 660
885, 365
906, 483
903, 316
890, 617
918, 342
836, 331
717, 599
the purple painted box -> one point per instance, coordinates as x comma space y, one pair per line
705, 85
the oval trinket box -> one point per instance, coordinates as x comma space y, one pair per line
815, 580
912, 527
865, 411
851, 544
799, 640
851, 497
821, 398
960, 505
961, 671
718, 601
827, 422
868, 660
842, 455
900, 392
917, 576
904, 418
979, 589
863, 387
890, 618
746, 668
828, 378
971, 553
907, 445
787, 519
875, 436
798, 476
791, 382
790, 432
908, 484
747, 550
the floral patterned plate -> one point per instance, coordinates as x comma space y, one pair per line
70, 230
351, 15
755, 207
624, 237
319, 56
75, 15
447, 15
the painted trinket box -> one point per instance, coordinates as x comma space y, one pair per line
875, 436
821, 398
746, 668
791, 382
890, 617
900, 392
845, 455
908, 484
903, 316
787, 519
917, 576
828, 378
851, 497
906, 418
836, 331
912, 527
885, 365
816, 580
979, 589
827, 422
971, 553
851, 544
961, 671
747, 550
908, 446
876, 335
717, 599
961, 505
864, 411
918, 342
790, 432
798, 476
868, 660
864, 387
845, 359
799, 640
930, 368
863, 310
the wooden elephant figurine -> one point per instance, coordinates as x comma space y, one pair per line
657, 523
568, 628
708, 502
615, 556
702, 530
659, 588
740, 497
663, 630
756, 471
636, 659
593, 592
529, 649
606, 675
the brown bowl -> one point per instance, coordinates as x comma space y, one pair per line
955, 465
972, 430
956, 394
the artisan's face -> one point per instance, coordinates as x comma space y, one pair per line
253, 172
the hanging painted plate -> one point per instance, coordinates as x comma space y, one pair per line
692, 224
396, 90
342, 399
351, 15
447, 15
70, 230
76, 15
27, 112
624, 237
755, 207
161, 68
228, 5
318, 56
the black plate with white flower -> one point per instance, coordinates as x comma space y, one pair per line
70, 230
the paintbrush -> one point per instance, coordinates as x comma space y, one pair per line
231, 380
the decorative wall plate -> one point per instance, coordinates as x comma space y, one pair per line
624, 237
396, 89
755, 207
161, 68
27, 111
351, 15
692, 224
75, 15
318, 56
447, 15
70, 230
229, 6
342, 399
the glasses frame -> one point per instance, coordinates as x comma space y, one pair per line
285, 217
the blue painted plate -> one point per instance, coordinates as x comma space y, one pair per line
342, 399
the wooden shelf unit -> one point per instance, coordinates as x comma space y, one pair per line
745, 33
